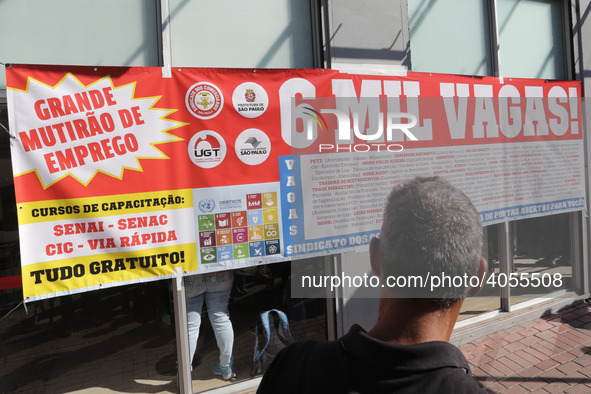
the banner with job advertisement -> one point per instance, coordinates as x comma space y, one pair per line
515, 146
122, 174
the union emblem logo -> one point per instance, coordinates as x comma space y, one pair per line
204, 100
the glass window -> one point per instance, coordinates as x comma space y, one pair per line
250, 292
532, 46
542, 246
10, 268
67, 341
128, 328
531, 38
112, 340
107, 32
119, 339
489, 297
450, 36
256, 33
453, 36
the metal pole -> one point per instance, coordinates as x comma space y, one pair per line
165, 53
505, 261
182, 333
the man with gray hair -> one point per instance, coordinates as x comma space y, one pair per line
431, 232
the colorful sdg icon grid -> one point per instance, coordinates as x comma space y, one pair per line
241, 234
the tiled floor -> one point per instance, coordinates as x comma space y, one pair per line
547, 355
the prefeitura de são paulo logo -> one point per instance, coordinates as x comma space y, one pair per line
204, 100
250, 100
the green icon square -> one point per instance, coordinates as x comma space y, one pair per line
240, 251
206, 222
208, 255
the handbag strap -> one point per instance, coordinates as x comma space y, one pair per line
264, 319
283, 320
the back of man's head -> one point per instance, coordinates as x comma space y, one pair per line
431, 229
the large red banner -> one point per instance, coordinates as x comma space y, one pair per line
122, 175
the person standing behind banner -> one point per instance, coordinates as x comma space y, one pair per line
214, 289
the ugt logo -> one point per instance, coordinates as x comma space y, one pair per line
209, 146
207, 149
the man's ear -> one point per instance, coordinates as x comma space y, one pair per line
375, 257
482, 269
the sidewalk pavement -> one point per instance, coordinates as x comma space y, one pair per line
551, 354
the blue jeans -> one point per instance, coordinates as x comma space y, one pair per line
215, 290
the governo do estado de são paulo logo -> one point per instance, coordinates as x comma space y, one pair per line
207, 149
204, 100
252, 147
